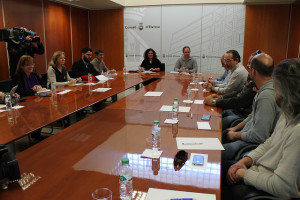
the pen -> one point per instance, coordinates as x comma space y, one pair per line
183, 199
194, 143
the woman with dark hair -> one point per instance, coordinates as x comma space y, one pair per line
150, 62
27, 80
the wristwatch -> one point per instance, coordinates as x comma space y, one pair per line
213, 102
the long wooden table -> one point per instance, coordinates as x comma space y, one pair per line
41, 111
86, 155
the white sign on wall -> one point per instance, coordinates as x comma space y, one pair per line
209, 30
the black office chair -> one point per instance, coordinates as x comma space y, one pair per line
44, 78
5, 85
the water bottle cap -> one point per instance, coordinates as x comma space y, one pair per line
125, 161
175, 99
196, 76
156, 122
7, 93
189, 85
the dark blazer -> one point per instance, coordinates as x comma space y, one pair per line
79, 69
19, 80
147, 65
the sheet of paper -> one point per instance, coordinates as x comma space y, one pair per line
150, 153
2, 106
192, 83
147, 72
64, 91
44, 91
90, 84
153, 94
171, 121
195, 89
204, 90
198, 101
187, 101
199, 143
173, 72
101, 78
162, 194
101, 89
17, 107
201, 82
184, 109
166, 108
2, 111
201, 167
203, 125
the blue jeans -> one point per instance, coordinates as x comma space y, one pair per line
227, 118
232, 148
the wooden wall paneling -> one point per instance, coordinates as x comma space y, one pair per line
58, 30
4, 74
107, 33
266, 29
80, 31
294, 36
29, 14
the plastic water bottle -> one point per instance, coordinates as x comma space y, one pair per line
125, 180
175, 109
8, 102
155, 136
53, 89
196, 82
124, 70
189, 91
90, 80
194, 75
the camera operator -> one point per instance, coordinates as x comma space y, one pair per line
26, 47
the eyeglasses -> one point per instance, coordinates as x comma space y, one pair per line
257, 52
228, 60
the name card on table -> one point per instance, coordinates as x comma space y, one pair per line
199, 143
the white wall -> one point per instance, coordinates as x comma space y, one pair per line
210, 30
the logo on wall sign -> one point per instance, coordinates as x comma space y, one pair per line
141, 27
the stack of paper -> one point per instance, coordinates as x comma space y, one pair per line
203, 125
17, 107
64, 91
153, 94
154, 194
102, 78
181, 108
150, 153
171, 121
198, 101
187, 101
101, 89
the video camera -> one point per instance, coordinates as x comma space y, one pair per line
17, 35
9, 167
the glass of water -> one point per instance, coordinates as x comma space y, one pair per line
102, 194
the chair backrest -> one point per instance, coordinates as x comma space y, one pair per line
163, 67
5, 85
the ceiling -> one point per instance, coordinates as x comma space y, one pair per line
110, 4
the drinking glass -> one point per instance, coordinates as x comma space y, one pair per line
102, 194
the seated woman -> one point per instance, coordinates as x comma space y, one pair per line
150, 61
27, 80
57, 72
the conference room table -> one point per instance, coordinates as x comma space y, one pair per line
86, 155
42, 111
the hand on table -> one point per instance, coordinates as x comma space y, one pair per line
141, 69
72, 82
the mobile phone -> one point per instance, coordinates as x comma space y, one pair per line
205, 117
198, 160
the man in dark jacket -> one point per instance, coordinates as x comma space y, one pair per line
83, 65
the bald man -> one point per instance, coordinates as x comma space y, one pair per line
258, 126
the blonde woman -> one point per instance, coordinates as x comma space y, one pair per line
57, 72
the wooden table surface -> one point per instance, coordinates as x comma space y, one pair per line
87, 155
41, 111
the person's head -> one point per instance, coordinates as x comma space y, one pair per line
186, 51
58, 59
286, 79
25, 64
251, 57
223, 62
99, 54
232, 58
150, 54
86, 54
261, 67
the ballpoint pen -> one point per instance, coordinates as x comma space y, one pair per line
189, 143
